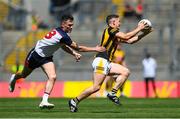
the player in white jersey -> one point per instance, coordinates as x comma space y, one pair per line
42, 56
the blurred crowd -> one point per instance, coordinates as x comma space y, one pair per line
17, 13
134, 10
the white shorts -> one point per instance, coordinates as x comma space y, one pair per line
101, 65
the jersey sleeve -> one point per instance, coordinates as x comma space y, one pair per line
113, 31
66, 40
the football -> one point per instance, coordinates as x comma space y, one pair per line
146, 21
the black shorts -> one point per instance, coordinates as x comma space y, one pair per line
34, 60
149, 79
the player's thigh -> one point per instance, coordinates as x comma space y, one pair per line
49, 69
98, 79
118, 69
101, 69
100, 65
107, 79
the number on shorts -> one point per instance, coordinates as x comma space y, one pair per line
50, 34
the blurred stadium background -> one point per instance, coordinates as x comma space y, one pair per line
23, 22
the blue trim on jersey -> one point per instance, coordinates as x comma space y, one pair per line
65, 38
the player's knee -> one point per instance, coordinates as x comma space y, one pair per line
126, 72
52, 77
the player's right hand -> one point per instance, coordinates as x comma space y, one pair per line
100, 48
143, 25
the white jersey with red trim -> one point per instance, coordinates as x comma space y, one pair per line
52, 42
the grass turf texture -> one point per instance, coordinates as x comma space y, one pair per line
91, 108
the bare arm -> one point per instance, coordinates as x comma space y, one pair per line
138, 37
72, 52
68, 49
126, 36
91, 49
82, 48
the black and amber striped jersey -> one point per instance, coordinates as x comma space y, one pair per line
109, 41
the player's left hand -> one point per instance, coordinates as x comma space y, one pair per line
147, 31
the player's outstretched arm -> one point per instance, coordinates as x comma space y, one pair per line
82, 48
91, 49
127, 36
138, 37
145, 32
72, 52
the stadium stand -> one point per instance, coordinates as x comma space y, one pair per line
21, 48
119, 6
3, 11
159, 43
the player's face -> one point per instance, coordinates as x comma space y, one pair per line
67, 26
117, 22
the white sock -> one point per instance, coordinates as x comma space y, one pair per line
45, 97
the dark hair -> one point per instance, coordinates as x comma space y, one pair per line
148, 55
66, 17
109, 17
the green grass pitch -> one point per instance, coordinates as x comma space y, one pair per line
91, 108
